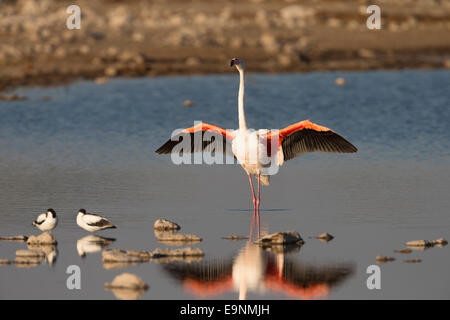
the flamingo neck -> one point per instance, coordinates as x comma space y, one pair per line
242, 123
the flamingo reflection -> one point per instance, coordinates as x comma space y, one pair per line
260, 271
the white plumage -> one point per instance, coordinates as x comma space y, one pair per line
46, 221
92, 222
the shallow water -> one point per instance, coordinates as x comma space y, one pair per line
92, 146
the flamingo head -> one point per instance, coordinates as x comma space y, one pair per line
238, 63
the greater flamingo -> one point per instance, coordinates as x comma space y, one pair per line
251, 148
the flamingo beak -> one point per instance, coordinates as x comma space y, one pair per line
232, 62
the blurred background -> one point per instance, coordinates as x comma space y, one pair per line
155, 37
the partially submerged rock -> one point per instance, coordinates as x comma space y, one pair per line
127, 281
14, 238
125, 256
164, 224
11, 97
325, 237
184, 259
235, 237
383, 259
340, 81
440, 242
285, 237
182, 252
4, 262
175, 237
44, 238
404, 251
419, 243
425, 244
188, 103
413, 261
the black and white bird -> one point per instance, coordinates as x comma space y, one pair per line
92, 222
46, 221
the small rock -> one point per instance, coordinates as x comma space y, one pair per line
101, 80
235, 237
404, 251
127, 281
419, 243
366, 53
137, 37
284, 237
4, 262
84, 49
163, 224
117, 255
14, 238
383, 259
112, 52
44, 238
188, 103
440, 242
12, 97
325, 236
269, 42
413, 261
179, 238
110, 71
184, 252
340, 81
284, 60
192, 61
334, 22
126, 56
60, 52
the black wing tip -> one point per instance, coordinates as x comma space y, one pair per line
310, 140
167, 147
348, 148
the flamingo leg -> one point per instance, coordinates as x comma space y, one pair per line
258, 202
254, 208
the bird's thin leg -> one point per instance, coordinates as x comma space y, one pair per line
254, 208
258, 201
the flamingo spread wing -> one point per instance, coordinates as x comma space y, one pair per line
305, 136
198, 134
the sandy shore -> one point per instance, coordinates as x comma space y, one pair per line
148, 38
